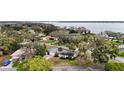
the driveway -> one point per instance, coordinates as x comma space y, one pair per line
7, 68
48, 56
120, 59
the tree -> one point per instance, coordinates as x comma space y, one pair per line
40, 48
100, 51
71, 46
59, 33
85, 56
83, 46
7, 42
37, 63
49, 28
100, 55
72, 30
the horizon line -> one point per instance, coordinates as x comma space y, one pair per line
63, 21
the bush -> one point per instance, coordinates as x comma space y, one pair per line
114, 66
121, 53
40, 49
37, 63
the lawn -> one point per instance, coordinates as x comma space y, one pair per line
121, 54
51, 41
63, 62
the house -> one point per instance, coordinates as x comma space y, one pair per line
41, 35
121, 47
103, 34
52, 51
68, 55
62, 52
23, 53
49, 38
31, 31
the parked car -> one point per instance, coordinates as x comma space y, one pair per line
6, 62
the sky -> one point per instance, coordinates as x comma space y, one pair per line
94, 27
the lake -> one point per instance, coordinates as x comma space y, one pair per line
94, 27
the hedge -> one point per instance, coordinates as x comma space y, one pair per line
114, 66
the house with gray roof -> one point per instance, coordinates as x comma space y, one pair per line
62, 53
121, 47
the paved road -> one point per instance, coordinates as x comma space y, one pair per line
78, 68
7, 68
120, 59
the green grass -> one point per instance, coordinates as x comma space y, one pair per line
63, 62
113, 42
51, 41
121, 54
112, 61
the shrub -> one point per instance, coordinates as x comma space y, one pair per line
37, 63
121, 53
114, 66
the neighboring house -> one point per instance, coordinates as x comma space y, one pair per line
23, 53
31, 31
121, 47
103, 34
49, 38
71, 35
41, 35
111, 37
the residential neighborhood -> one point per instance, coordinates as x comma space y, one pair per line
29, 46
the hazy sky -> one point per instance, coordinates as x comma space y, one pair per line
95, 27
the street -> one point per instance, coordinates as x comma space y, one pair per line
7, 68
78, 68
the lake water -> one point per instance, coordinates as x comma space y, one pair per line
94, 27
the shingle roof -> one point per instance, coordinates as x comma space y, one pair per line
18, 52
